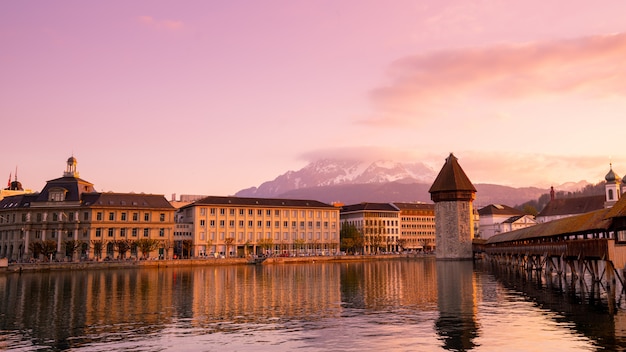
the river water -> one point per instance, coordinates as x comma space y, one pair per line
392, 305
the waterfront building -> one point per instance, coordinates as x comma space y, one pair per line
238, 226
13, 188
558, 208
498, 218
69, 220
417, 226
378, 223
453, 194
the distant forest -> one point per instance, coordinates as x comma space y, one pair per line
533, 207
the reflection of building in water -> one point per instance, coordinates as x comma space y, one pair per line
369, 286
456, 299
257, 293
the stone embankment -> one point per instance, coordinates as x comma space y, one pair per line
128, 264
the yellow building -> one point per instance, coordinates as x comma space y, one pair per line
69, 220
235, 226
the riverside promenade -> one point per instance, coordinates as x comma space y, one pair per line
167, 263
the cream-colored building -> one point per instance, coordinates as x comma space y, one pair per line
238, 227
378, 223
417, 226
69, 220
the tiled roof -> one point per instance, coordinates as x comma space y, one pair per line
618, 209
17, 201
570, 206
451, 178
74, 187
128, 200
415, 206
267, 202
499, 209
583, 223
369, 207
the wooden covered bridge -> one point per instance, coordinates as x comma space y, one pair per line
590, 245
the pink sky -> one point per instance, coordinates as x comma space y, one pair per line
210, 97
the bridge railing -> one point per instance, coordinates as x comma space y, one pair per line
590, 248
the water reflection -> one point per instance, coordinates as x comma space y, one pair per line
403, 305
457, 305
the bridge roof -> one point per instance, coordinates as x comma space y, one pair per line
583, 223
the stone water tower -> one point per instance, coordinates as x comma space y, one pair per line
453, 194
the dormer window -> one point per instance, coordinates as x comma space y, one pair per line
56, 194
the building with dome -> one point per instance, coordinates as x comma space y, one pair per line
559, 208
13, 188
69, 220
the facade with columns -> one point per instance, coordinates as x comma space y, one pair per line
69, 220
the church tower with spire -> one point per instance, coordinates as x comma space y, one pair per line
453, 194
611, 188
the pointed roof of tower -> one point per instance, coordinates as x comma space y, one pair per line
452, 184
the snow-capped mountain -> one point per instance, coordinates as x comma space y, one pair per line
342, 172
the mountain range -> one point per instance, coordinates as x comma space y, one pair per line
355, 181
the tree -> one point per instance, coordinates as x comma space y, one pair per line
71, 247
166, 245
187, 245
147, 245
49, 247
352, 240
36, 247
401, 242
229, 242
122, 247
299, 244
265, 243
98, 246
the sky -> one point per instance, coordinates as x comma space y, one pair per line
211, 97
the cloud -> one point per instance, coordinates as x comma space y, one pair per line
427, 83
160, 24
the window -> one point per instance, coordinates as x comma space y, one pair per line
123, 216
259, 223
135, 216
212, 211
268, 212
86, 216
99, 216
134, 232
231, 211
221, 223
161, 232
202, 223
162, 217
212, 223
259, 212
98, 232
55, 217
222, 211
276, 224
250, 224
241, 212
276, 212
146, 232
250, 212
111, 216
268, 224
111, 232
241, 223
231, 223
202, 211
122, 232
146, 217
